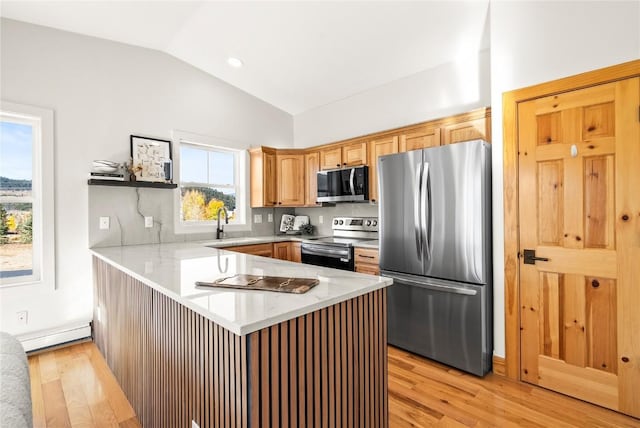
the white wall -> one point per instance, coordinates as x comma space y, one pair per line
442, 91
101, 92
535, 42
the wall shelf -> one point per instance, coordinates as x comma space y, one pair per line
132, 184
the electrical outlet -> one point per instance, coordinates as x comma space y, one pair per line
257, 218
320, 219
22, 317
104, 223
270, 218
148, 221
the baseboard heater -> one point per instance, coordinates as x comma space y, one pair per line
45, 339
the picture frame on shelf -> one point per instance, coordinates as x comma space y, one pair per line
151, 159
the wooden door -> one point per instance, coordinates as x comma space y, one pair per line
354, 154
420, 138
377, 148
579, 206
296, 252
290, 170
331, 158
312, 166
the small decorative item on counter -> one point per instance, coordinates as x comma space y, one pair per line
286, 224
307, 229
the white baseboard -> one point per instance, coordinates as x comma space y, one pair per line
55, 337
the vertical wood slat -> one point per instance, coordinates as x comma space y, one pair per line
193, 369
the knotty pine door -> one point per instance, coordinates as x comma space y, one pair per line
579, 207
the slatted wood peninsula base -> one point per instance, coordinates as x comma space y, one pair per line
324, 369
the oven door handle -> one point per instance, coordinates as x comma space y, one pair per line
316, 250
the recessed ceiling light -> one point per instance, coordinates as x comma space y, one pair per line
234, 62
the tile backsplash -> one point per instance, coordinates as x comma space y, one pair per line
126, 208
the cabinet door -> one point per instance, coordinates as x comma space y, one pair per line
420, 138
296, 252
264, 250
312, 166
366, 261
331, 158
282, 250
263, 177
377, 148
354, 154
477, 129
290, 180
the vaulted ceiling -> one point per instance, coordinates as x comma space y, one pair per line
297, 55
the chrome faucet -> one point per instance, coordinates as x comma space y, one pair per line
219, 230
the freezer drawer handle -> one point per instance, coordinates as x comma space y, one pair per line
530, 257
445, 289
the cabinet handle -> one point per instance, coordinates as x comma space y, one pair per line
279, 203
344, 163
338, 165
366, 257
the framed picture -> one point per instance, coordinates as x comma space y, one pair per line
151, 159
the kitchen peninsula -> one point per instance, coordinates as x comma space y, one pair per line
225, 357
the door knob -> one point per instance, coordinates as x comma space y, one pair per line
530, 257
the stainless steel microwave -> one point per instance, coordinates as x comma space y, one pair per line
344, 185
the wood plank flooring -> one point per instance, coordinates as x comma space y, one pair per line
73, 387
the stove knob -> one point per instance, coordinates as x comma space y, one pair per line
340, 222
367, 223
375, 222
335, 221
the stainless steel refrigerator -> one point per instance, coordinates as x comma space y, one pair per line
435, 242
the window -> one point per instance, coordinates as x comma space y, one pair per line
26, 195
211, 179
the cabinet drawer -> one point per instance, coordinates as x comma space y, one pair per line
368, 269
366, 256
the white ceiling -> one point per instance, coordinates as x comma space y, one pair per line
297, 55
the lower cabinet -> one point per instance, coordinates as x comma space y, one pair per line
282, 250
367, 261
264, 250
278, 250
296, 252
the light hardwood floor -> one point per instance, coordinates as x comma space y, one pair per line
73, 387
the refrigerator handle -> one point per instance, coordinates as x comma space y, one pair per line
425, 204
416, 212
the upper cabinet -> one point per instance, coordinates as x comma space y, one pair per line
379, 147
312, 166
290, 172
263, 177
471, 129
349, 154
287, 177
420, 137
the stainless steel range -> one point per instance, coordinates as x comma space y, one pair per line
337, 251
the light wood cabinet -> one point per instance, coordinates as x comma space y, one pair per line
469, 130
367, 261
312, 166
354, 154
264, 250
290, 172
377, 148
282, 250
263, 177
331, 158
420, 138
350, 154
296, 251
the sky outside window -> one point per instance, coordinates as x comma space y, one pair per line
16, 151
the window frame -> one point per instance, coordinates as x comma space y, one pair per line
241, 172
42, 193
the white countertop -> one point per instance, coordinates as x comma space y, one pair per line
172, 269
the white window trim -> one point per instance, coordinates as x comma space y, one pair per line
242, 178
42, 193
